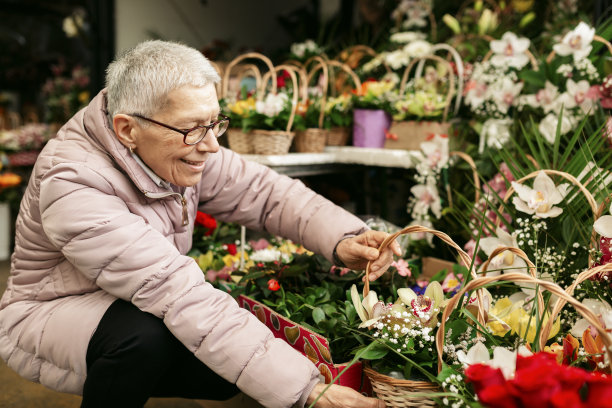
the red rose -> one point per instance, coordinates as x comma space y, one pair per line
206, 221
599, 392
231, 248
567, 399
273, 285
498, 396
482, 376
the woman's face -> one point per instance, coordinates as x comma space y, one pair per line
163, 149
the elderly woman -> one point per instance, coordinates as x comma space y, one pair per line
102, 299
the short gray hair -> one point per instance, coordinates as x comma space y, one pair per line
140, 79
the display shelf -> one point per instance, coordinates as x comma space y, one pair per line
334, 159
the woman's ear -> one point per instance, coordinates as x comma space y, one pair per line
125, 128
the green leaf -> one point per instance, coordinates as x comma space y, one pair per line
375, 352
318, 315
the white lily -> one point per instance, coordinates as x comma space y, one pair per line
510, 51
601, 308
370, 310
541, 199
477, 354
577, 42
505, 261
548, 126
436, 151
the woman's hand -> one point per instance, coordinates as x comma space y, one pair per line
340, 396
355, 252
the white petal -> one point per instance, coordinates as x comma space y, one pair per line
521, 205
369, 301
478, 354
434, 292
603, 226
523, 191
552, 213
505, 360
357, 303
579, 327
407, 295
489, 244
544, 184
368, 323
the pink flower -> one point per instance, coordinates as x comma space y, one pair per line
403, 268
260, 244
451, 282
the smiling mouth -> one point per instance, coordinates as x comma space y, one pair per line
193, 163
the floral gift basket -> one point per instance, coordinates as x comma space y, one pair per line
243, 105
428, 99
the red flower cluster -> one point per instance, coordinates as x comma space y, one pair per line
605, 246
206, 221
540, 382
281, 79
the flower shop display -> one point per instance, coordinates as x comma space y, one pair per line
422, 100
242, 106
65, 94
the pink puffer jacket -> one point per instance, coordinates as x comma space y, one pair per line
94, 227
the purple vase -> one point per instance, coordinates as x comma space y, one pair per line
369, 127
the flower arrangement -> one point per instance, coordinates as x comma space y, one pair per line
302, 51
65, 95
376, 94
339, 111
26, 137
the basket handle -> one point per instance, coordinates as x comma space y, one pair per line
293, 72
248, 55
322, 65
596, 37
519, 277
345, 68
451, 80
458, 63
367, 50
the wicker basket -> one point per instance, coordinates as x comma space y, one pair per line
395, 392
338, 136
311, 140
240, 142
409, 135
278, 141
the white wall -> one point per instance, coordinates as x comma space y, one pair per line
250, 23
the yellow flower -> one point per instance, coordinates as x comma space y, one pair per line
498, 314
243, 107
84, 97
525, 325
205, 260
231, 260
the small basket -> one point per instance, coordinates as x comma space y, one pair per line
396, 392
240, 142
311, 140
338, 136
274, 142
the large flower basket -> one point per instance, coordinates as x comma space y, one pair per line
239, 141
370, 127
312, 345
409, 135
274, 142
410, 393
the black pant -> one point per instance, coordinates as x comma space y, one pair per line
133, 356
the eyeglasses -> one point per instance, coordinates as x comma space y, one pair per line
196, 134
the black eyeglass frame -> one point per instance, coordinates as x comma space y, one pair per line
187, 131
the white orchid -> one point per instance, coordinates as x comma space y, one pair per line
435, 151
541, 199
418, 48
370, 310
272, 105
424, 307
504, 93
545, 98
601, 309
503, 358
577, 42
495, 133
407, 36
510, 51
603, 225
427, 198
505, 261
475, 93
577, 93
548, 126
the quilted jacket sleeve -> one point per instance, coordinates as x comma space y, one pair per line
256, 196
95, 230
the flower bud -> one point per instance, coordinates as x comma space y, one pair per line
452, 23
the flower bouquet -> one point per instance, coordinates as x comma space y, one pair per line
241, 103
373, 103
424, 99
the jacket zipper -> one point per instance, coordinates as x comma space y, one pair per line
180, 197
